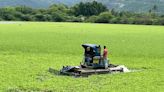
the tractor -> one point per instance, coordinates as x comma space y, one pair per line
92, 63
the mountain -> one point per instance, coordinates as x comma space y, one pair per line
126, 5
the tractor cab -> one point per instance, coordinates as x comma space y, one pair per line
92, 57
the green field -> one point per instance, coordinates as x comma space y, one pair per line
28, 49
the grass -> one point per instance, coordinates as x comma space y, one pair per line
28, 49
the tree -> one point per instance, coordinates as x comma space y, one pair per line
7, 13
155, 8
161, 21
89, 8
1, 19
56, 8
58, 12
104, 17
114, 12
24, 9
83, 12
58, 17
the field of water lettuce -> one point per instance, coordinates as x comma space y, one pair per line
28, 49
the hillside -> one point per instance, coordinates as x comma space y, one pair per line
126, 5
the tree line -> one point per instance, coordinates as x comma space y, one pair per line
93, 12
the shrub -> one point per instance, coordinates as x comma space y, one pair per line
92, 19
59, 17
104, 17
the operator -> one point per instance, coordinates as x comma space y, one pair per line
105, 53
88, 56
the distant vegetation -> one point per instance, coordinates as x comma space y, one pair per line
119, 5
93, 12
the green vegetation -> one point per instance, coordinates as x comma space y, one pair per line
89, 9
93, 12
121, 5
28, 49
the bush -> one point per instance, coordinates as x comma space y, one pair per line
9, 17
138, 21
148, 21
131, 21
92, 19
114, 20
40, 17
27, 18
75, 19
18, 15
48, 17
124, 20
104, 17
58, 17
161, 21
145, 21
156, 22
1, 19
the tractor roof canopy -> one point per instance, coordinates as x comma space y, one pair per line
94, 48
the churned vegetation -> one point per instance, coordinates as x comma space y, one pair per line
28, 49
